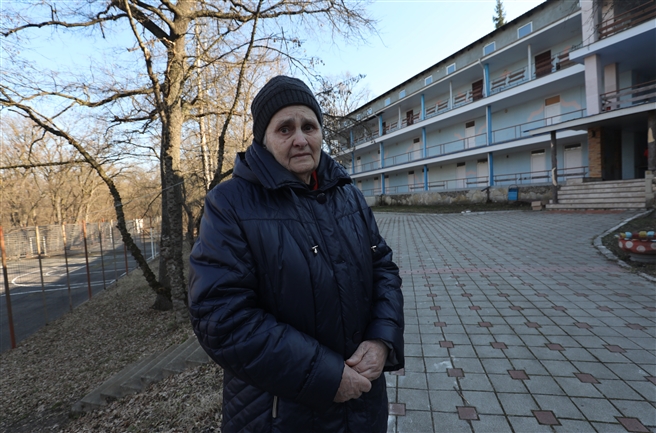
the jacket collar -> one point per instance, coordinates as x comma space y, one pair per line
257, 165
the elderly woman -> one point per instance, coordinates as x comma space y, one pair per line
292, 289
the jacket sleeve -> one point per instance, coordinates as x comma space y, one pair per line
387, 311
238, 335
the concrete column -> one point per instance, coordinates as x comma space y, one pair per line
423, 108
352, 162
529, 68
399, 124
425, 177
589, 21
423, 140
594, 152
351, 137
450, 95
554, 168
490, 170
380, 125
593, 84
486, 79
488, 120
611, 84
651, 141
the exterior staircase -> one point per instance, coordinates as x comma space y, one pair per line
135, 377
618, 194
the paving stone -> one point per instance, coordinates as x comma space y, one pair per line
414, 399
544, 385
560, 405
642, 410
415, 421
444, 400
575, 388
440, 382
528, 424
633, 425
596, 409
569, 426
412, 380
485, 402
475, 382
449, 422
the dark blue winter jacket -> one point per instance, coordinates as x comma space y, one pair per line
285, 283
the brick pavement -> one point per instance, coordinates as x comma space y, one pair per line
515, 322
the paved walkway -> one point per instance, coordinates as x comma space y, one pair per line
515, 323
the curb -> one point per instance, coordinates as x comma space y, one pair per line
612, 257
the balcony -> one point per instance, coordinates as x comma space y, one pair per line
522, 130
628, 19
542, 177
629, 96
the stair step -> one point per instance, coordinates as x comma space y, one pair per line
198, 357
108, 390
572, 206
611, 200
624, 196
155, 373
178, 363
134, 383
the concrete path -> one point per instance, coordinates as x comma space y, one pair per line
516, 323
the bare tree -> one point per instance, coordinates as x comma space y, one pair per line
162, 94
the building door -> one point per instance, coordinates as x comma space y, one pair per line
377, 185
358, 165
573, 161
552, 110
477, 90
482, 172
470, 132
543, 64
409, 116
538, 166
461, 175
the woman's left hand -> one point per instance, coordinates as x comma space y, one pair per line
369, 359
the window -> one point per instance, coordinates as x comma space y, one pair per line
402, 94
370, 111
470, 124
387, 101
524, 30
416, 140
489, 48
451, 68
460, 164
552, 100
411, 172
538, 152
428, 80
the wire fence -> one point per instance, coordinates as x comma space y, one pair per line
49, 270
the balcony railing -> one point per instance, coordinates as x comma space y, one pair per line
629, 96
457, 145
508, 80
367, 166
542, 177
516, 132
365, 138
413, 155
628, 19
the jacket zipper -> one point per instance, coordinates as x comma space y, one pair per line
274, 412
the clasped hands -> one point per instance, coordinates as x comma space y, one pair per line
363, 367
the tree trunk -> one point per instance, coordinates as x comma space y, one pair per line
172, 239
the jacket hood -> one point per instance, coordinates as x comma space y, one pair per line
258, 165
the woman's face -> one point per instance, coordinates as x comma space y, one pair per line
294, 137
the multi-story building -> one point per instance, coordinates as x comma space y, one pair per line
567, 89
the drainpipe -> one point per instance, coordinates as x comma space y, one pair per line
423, 107
380, 126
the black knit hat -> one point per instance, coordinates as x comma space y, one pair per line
278, 93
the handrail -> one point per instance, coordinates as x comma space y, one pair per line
613, 100
626, 20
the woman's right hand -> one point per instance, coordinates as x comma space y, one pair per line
353, 384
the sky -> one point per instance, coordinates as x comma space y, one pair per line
413, 35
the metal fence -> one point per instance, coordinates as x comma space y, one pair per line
51, 269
